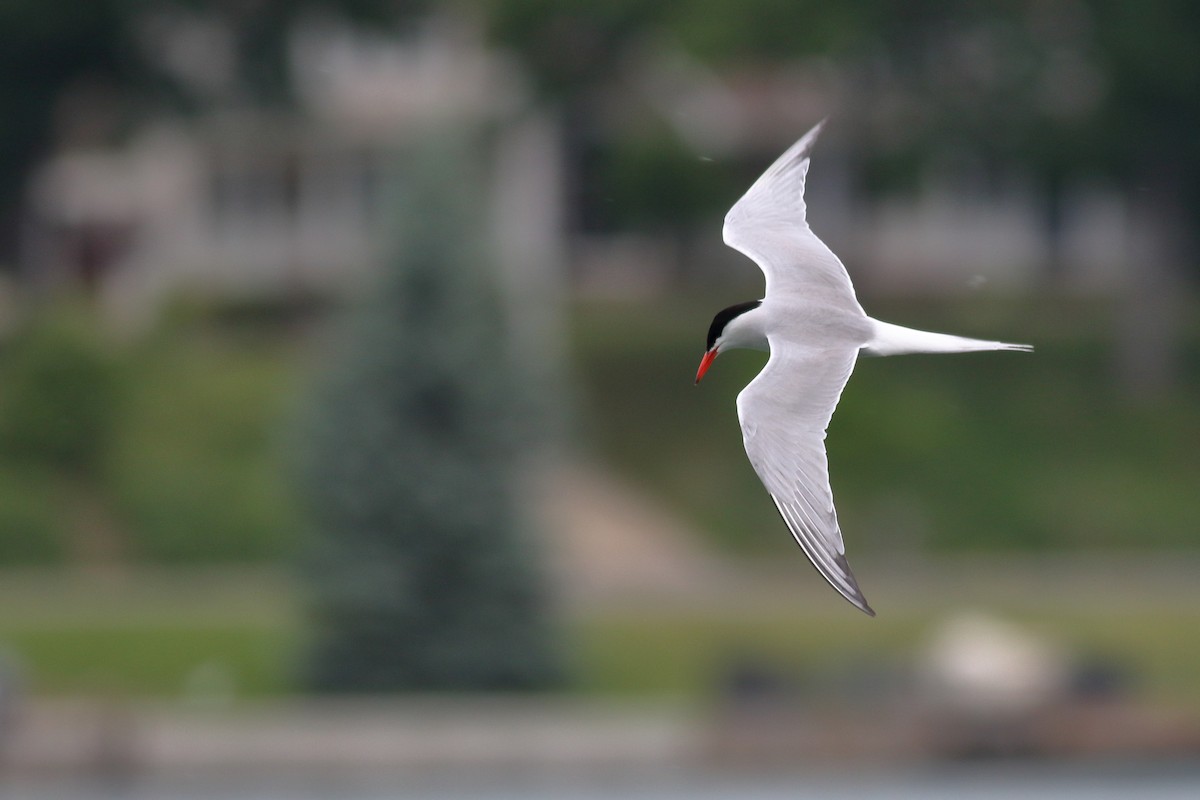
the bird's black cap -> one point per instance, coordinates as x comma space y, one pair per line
724, 316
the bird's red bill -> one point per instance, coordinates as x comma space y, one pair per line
705, 363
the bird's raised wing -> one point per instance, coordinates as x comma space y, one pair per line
769, 224
784, 413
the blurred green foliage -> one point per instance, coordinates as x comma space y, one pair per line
171, 438
196, 472
986, 451
989, 451
59, 405
31, 528
1099, 90
177, 433
653, 182
58, 400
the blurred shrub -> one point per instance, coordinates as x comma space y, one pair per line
58, 396
170, 438
655, 181
31, 526
192, 513
195, 473
59, 403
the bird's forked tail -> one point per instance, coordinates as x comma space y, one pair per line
892, 340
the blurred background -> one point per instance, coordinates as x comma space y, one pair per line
348, 440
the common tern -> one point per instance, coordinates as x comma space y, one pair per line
811, 323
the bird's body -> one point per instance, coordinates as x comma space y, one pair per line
811, 323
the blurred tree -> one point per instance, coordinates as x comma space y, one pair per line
1070, 91
422, 574
1096, 87
43, 53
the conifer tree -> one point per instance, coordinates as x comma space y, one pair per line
423, 574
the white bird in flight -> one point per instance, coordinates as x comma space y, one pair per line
810, 321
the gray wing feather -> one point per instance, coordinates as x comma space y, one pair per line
784, 412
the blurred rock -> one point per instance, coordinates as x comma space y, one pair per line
981, 666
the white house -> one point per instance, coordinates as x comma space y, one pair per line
244, 202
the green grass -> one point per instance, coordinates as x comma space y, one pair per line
681, 655
161, 633
147, 660
194, 635
687, 655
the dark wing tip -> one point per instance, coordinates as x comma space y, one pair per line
855, 596
831, 566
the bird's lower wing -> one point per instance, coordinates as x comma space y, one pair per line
784, 413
